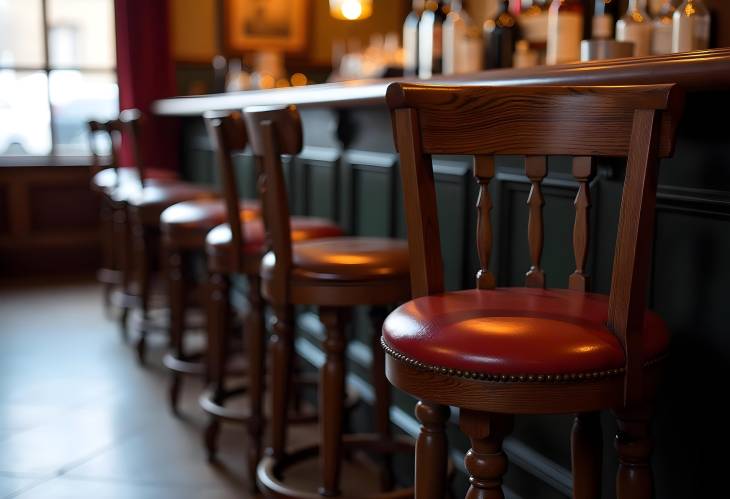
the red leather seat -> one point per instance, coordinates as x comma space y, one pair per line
515, 331
190, 221
149, 203
346, 259
219, 243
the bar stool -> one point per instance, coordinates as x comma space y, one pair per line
107, 177
143, 206
494, 352
236, 247
184, 229
334, 274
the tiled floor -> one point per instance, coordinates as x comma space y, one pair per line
80, 419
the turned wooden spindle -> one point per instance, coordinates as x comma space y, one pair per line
536, 170
633, 443
432, 450
485, 462
583, 172
586, 446
483, 173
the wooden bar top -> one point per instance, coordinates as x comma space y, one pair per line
695, 71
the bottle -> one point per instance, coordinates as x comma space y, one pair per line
661, 38
691, 27
430, 38
604, 16
462, 42
635, 26
410, 39
500, 37
525, 57
533, 24
565, 30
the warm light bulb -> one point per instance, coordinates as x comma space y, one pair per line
351, 10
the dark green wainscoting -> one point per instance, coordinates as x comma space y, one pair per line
348, 171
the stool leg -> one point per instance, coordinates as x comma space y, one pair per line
431, 451
106, 221
486, 462
141, 261
123, 240
218, 317
256, 346
332, 400
176, 293
382, 393
281, 347
587, 455
633, 443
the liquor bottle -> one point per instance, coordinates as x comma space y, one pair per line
635, 26
565, 31
462, 42
533, 22
410, 39
661, 38
691, 27
430, 38
605, 14
500, 37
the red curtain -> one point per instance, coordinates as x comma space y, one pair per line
146, 72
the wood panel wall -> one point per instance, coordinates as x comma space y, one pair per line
48, 221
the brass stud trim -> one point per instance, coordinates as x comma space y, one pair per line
511, 378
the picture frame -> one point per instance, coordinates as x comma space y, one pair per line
270, 25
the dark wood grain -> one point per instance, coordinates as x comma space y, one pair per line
485, 462
627, 301
578, 113
690, 70
587, 455
424, 242
432, 451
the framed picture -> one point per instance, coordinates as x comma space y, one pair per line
272, 25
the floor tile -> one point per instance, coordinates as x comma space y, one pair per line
66, 488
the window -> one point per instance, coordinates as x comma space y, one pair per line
57, 71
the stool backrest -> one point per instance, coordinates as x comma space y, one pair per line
127, 124
109, 129
274, 131
636, 122
131, 121
227, 133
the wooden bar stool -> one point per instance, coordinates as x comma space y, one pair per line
236, 247
334, 274
110, 181
144, 204
494, 352
184, 229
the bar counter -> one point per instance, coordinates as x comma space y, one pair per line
348, 172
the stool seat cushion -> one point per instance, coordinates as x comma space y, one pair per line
196, 218
219, 241
346, 259
149, 202
108, 179
515, 331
